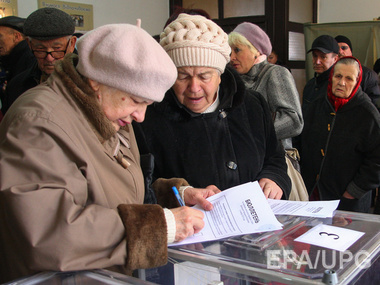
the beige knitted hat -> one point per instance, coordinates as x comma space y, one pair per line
127, 58
193, 40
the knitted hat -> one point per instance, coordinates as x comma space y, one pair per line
48, 23
343, 39
127, 58
256, 36
13, 22
325, 44
193, 40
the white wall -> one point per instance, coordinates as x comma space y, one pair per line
348, 10
153, 13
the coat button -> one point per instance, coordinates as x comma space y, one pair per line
222, 115
231, 165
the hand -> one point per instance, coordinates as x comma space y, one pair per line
198, 196
270, 188
188, 222
348, 195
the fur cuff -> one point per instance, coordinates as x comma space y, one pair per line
164, 193
145, 234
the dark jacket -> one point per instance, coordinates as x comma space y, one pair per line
370, 85
341, 150
19, 84
315, 88
19, 60
233, 145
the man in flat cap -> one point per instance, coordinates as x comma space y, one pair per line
370, 80
49, 34
15, 53
325, 50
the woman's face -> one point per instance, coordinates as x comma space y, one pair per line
242, 58
344, 80
196, 87
120, 107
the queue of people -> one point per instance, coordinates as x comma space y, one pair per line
207, 108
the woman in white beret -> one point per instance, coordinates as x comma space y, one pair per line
71, 184
250, 48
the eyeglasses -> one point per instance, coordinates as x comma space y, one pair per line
55, 54
344, 47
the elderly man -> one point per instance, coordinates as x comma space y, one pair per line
15, 53
370, 81
210, 129
325, 50
50, 37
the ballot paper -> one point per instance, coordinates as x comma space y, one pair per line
336, 238
319, 209
238, 210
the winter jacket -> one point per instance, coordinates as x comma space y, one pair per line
370, 85
67, 200
19, 84
20, 59
276, 84
340, 151
230, 146
314, 89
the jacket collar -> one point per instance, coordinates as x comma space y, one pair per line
84, 96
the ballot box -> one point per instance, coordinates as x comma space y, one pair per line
277, 257
88, 277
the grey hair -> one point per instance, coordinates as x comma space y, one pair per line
350, 61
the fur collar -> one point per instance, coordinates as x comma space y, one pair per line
84, 96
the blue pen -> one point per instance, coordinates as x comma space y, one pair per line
178, 196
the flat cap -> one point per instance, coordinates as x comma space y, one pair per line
325, 44
48, 23
13, 22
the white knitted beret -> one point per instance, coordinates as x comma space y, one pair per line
193, 40
127, 58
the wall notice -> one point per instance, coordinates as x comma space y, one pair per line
82, 14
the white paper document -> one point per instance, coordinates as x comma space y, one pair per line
319, 209
330, 237
238, 210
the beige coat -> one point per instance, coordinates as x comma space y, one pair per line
61, 186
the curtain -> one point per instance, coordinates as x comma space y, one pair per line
364, 37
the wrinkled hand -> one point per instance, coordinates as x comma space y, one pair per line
270, 188
197, 196
188, 222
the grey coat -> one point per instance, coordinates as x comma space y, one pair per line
276, 84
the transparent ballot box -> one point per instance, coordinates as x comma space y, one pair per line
276, 258
88, 277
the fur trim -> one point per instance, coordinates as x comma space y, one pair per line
85, 96
145, 234
164, 193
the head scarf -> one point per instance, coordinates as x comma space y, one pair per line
338, 102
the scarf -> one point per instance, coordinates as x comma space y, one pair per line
338, 102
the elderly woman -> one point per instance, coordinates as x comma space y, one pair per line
209, 128
71, 182
250, 47
340, 151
